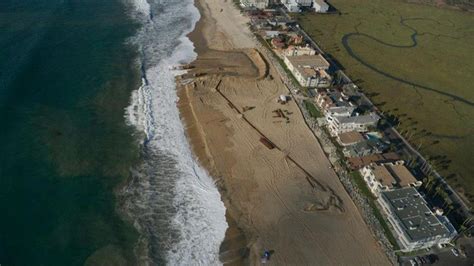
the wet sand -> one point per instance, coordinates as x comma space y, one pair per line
282, 196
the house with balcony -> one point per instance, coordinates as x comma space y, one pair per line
309, 70
388, 176
342, 119
327, 98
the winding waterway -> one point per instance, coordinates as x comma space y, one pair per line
346, 43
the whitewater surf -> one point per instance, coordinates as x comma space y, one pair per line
171, 199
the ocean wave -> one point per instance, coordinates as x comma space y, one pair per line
173, 201
141, 8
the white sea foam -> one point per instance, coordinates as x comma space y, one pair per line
141, 6
198, 225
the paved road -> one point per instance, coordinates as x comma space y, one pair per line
446, 258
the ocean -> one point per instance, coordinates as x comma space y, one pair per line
94, 164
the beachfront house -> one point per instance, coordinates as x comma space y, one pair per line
278, 43
327, 98
272, 33
320, 6
296, 5
339, 120
298, 51
309, 70
350, 138
340, 111
356, 163
388, 176
415, 226
261, 4
365, 148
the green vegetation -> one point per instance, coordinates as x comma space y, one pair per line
312, 109
359, 182
416, 63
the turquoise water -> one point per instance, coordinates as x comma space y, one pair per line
65, 78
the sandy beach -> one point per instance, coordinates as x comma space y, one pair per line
282, 196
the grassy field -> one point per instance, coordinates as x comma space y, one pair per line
417, 63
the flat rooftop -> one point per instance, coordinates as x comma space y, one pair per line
358, 162
309, 61
390, 175
351, 137
361, 119
338, 110
417, 220
307, 72
382, 175
402, 174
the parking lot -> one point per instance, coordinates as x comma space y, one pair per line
446, 257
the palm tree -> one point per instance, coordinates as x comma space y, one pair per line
447, 202
438, 190
429, 183
467, 220
450, 208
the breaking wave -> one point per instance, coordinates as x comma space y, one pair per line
171, 199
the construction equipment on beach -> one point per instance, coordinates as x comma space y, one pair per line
267, 143
283, 99
247, 108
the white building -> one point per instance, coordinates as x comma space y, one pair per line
309, 70
261, 4
339, 121
340, 111
295, 5
320, 6
272, 33
414, 225
388, 176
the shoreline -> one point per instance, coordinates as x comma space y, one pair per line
234, 248
269, 203
174, 203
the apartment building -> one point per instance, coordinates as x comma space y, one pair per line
309, 70
414, 224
